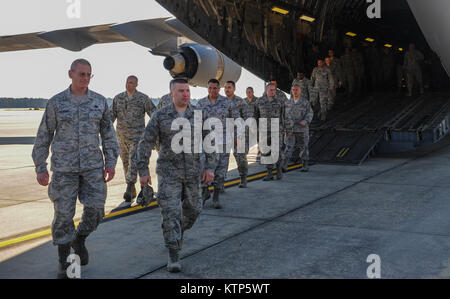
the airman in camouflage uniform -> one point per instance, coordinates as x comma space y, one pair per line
72, 123
278, 93
298, 115
323, 83
305, 83
179, 174
164, 101
336, 67
217, 106
348, 72
129, 108
331, 91
270, 107
411, 64
240, 105
251, 100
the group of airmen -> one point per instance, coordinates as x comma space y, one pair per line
353, 75
74, 119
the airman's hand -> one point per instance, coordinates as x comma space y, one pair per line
43, 178
144, 180
109, 173
208, 176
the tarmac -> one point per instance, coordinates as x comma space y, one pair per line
321, 224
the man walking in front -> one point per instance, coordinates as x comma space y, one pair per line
72, 123
179, 173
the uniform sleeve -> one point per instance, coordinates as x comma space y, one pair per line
149, 106
44, 138
159, 106
330, 79
313, 77
146, 144
234, 112
309, 113
210, 158
283, 119
110, 145
256, 113
246, 113
288, 121
114, 110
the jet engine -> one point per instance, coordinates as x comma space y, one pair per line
199, 63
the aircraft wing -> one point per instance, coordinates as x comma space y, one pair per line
161, 35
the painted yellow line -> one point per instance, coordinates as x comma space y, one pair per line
48, 232
345, 152
29, 237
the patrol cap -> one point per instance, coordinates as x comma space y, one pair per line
146, 196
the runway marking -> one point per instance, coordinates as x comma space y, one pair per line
128, 211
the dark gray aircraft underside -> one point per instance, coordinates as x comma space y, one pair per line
274, 41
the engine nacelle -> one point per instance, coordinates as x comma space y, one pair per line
199, 63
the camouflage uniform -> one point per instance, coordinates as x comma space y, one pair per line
281, 95
165, 100
412, 67
348, 73
322, 81
242, 108
305, 85
252, 108
251, 105
130, 115
221, 108
71, 124
296, 134
271, 108
332, 92
178, 174
278, 94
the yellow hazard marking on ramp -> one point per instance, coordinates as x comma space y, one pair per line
48, 232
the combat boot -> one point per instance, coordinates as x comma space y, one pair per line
80, 249
243, 183
279, 171
216, 202
63, 254
130, 193
269, 176
305, 166
173, 264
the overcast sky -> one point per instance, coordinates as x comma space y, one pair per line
43, 73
